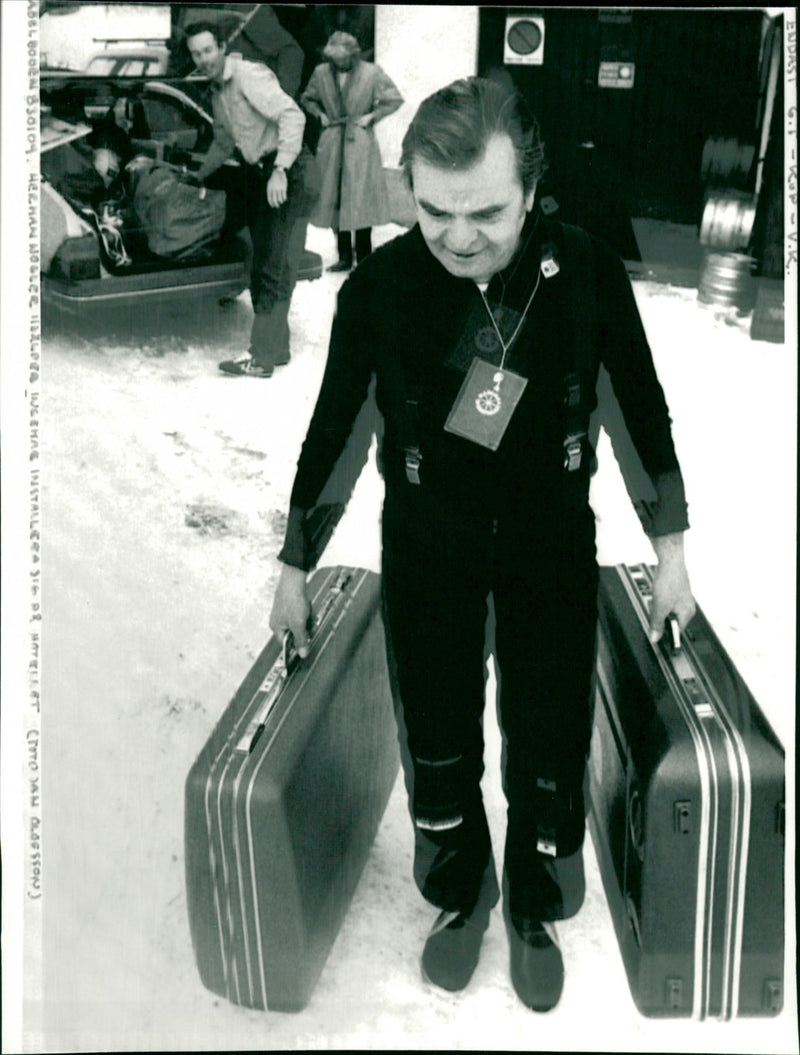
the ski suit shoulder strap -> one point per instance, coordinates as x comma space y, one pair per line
580, 261
580, 378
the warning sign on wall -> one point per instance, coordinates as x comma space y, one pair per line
616, 74
524, 40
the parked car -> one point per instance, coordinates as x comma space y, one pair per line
164, 121
149, 61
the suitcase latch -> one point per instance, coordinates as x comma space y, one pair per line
674, 994
682, 817
773, 995
699, 699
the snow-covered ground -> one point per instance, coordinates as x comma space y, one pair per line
165, 487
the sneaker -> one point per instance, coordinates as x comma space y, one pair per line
341, 265
246, 366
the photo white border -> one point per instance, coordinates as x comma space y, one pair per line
20, 346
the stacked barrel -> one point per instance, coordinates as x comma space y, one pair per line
727, 223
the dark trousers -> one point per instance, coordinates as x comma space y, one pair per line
278, 238
344, 244
440, 571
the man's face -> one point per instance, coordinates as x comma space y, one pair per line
471, 219
206, 54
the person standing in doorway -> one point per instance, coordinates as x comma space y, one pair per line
274, 186
349, 96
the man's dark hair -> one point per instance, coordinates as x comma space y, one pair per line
452, 127
205, 26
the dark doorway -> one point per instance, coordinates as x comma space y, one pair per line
615, 151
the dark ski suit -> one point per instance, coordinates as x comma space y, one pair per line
509, 531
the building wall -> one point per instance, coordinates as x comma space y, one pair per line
696, 76
422, 48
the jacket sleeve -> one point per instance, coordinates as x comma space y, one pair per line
343, 391
221, 148
262, 90
626, 354
311, 99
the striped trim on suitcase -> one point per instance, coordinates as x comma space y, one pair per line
237, 764
725, 818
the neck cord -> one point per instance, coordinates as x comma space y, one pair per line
520, 256
505, 346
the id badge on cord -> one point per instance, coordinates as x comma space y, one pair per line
485, 404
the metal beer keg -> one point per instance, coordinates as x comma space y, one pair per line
726, 160
728, 219
726, 279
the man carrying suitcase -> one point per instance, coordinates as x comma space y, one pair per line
485, 326
276, 186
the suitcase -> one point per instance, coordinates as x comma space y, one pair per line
686, 811
284, 800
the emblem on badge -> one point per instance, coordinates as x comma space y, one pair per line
489, 401
486, 341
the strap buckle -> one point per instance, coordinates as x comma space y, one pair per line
546, 832
546, 842
413, 461
573, 451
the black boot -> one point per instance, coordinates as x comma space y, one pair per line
363, 243
453, 946
344, 246
537, 968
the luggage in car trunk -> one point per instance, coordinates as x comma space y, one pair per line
284, 800
686, 782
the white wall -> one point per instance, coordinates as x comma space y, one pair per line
69, 38
422, 48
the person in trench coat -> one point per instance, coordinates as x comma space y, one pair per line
349, 96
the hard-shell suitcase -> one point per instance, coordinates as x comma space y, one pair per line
686, 788
284, 800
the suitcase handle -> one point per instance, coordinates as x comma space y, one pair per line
673, 629
273, 686
285, 665
289, 654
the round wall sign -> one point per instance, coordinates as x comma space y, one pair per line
524, 37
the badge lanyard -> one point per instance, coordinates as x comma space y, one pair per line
490, 394
506, 345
